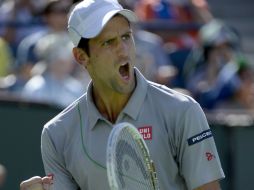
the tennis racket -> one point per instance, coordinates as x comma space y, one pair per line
129, 165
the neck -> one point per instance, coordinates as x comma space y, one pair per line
110, 104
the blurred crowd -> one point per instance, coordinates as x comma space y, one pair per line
179, 44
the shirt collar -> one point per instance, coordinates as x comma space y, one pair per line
136, 100
131, 109
93, 113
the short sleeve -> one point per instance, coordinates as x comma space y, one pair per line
198, 157
53, 164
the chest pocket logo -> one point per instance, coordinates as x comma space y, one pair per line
146, 132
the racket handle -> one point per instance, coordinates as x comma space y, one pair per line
154, 177
36, 186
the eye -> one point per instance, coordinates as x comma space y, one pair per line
126, 37
108, 42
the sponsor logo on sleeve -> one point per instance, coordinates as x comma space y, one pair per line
146, 132
200, 137
209, 156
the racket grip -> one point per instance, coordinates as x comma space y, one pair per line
154, 177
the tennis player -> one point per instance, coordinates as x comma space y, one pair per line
176, 131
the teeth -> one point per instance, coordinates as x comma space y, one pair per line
123, 64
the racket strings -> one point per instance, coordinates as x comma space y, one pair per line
132, 169
122, 150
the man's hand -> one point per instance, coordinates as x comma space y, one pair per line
37, 183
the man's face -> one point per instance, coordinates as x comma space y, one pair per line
112, 57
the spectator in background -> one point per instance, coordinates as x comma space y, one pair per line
177, 41
201, 11
55, 85
3, 175
54, 13
216, 78
167, 12
155, 9
183, 16
16, 16
181, 11
151, 57
244, 97
5, 58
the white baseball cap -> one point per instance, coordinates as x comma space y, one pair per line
88, 18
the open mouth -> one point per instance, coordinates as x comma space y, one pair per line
124, 71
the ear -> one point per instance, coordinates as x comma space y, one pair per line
80, 56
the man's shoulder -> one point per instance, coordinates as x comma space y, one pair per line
66, 118
164, 94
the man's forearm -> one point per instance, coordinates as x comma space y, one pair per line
210, 186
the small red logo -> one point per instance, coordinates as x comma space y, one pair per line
146, 132
209, 156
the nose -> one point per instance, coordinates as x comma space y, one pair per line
122, 48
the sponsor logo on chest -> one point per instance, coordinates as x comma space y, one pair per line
146, 132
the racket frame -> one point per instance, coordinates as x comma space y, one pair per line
111, 146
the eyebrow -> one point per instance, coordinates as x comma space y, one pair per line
103, 38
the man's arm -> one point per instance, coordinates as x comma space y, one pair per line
54, 163
214, 185
198, 153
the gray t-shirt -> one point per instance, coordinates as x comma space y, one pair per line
173, 125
